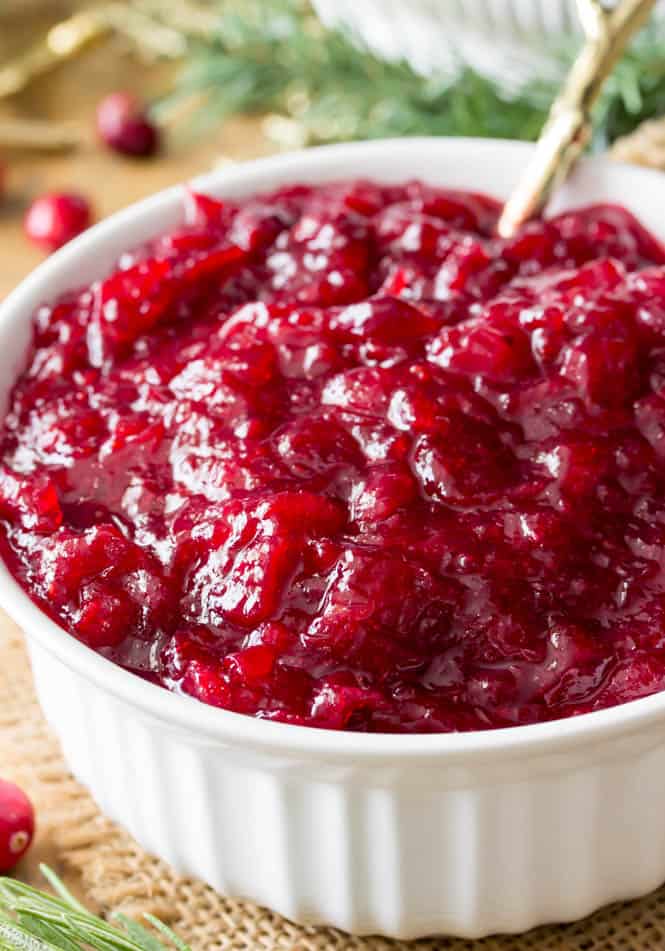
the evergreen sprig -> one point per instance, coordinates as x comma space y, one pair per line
273, 56
32, 920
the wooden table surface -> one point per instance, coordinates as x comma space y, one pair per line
110, 181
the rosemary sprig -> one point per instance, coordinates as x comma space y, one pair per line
31, 920
262, 56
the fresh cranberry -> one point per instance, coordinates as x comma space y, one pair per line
338, 456
55, 219
124, 126
17, 825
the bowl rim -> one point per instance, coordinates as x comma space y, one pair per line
215, 725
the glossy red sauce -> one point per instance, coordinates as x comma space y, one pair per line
338, 456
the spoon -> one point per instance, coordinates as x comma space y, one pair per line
567, 130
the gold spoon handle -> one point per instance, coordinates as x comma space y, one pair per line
568, 127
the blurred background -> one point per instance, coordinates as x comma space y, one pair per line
113, 99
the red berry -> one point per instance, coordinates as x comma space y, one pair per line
17, 825
56, 218
124, 126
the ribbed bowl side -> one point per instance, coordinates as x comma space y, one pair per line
395, 852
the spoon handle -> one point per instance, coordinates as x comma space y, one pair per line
568, 127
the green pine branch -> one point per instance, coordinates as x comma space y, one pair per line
31, 920
272, 56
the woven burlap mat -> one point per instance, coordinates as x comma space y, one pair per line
111, 872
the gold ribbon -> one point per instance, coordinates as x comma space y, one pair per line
60, 43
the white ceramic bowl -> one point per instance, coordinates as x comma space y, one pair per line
509, 40
506, 39
464, 834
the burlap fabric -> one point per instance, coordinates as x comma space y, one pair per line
111, 872
644, 146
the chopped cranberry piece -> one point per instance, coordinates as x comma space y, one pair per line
105, 617
30, 500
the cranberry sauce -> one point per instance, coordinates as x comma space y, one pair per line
338, 456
